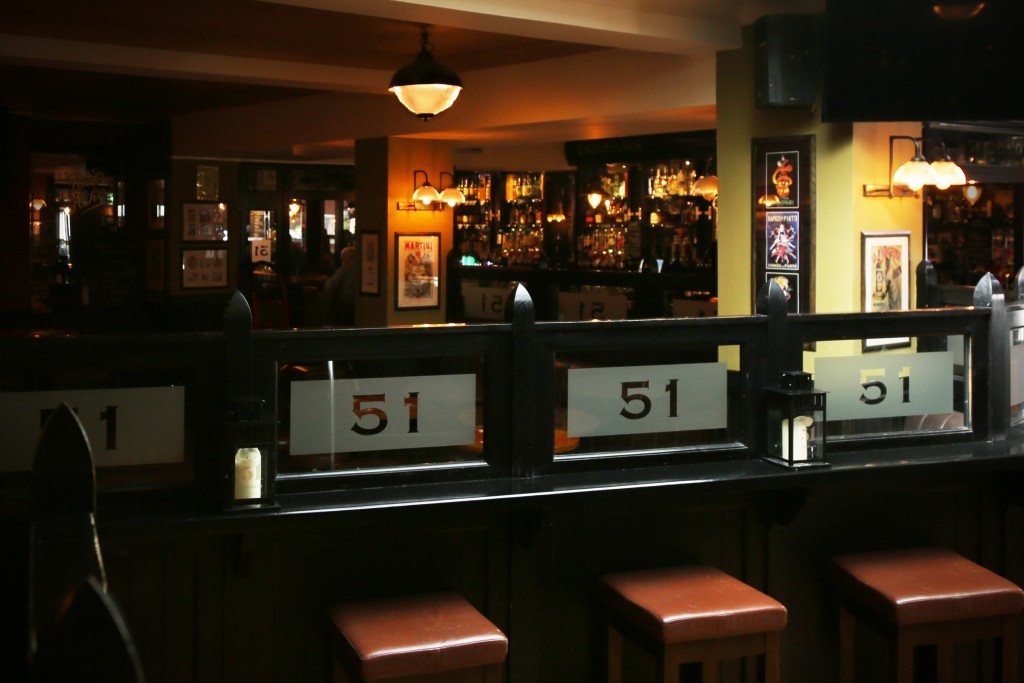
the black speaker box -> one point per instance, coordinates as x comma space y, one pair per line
786, 49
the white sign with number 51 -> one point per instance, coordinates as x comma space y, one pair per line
647, 399
382, 413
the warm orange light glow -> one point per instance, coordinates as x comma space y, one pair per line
958, 11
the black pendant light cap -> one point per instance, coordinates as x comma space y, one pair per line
424, 70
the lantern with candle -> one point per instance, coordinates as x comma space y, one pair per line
249, 465
795, 413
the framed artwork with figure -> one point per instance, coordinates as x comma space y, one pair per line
417, 271
885, 278
783, 216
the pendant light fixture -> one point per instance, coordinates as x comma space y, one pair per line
425, 87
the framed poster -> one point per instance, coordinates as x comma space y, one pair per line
782, 240
369, 259
885, 278
204, 222
783, 217
204, 268
790, 284
417, 269
155, 265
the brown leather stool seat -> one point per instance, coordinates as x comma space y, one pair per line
925, 596
690, 614
423, 638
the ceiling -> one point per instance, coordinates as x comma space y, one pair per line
302, 79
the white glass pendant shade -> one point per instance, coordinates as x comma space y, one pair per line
915, 174
595, 199
426, 194
452, 196
426, 100
948, 174
425, 87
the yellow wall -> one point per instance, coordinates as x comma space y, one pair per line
384, 177
848, 156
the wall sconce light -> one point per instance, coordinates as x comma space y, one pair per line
425, 87
37, 203
451, 195
425, 196
910, 177
706, 186
947, 171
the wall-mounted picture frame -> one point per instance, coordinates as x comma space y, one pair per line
204, 268
369, 260
885, 279
417, 271
204, 222
783, 215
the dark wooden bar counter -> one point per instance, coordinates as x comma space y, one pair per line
213, 591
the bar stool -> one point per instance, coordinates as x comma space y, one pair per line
434, 637
924, 596
690, 614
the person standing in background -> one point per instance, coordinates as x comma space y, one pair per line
340, 290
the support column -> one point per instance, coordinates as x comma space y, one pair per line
384, 177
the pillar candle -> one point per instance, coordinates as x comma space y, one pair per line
801, 425
248, 474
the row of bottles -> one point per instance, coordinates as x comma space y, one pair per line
525, 223
673, 179
523, 245
970, 230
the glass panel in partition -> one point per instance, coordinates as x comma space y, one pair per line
922, 386
137, 419
1017, 375
368, 414
620, 402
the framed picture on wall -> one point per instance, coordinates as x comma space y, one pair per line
783, 216
204, 222
204, 268
369, 260
885, 278
417, 271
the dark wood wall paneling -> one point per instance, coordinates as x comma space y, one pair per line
249, 606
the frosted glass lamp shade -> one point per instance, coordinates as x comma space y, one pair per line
453, 196
426, 100
915, 174
426, 194
425, 87
948, 174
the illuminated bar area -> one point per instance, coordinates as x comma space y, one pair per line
653, 294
